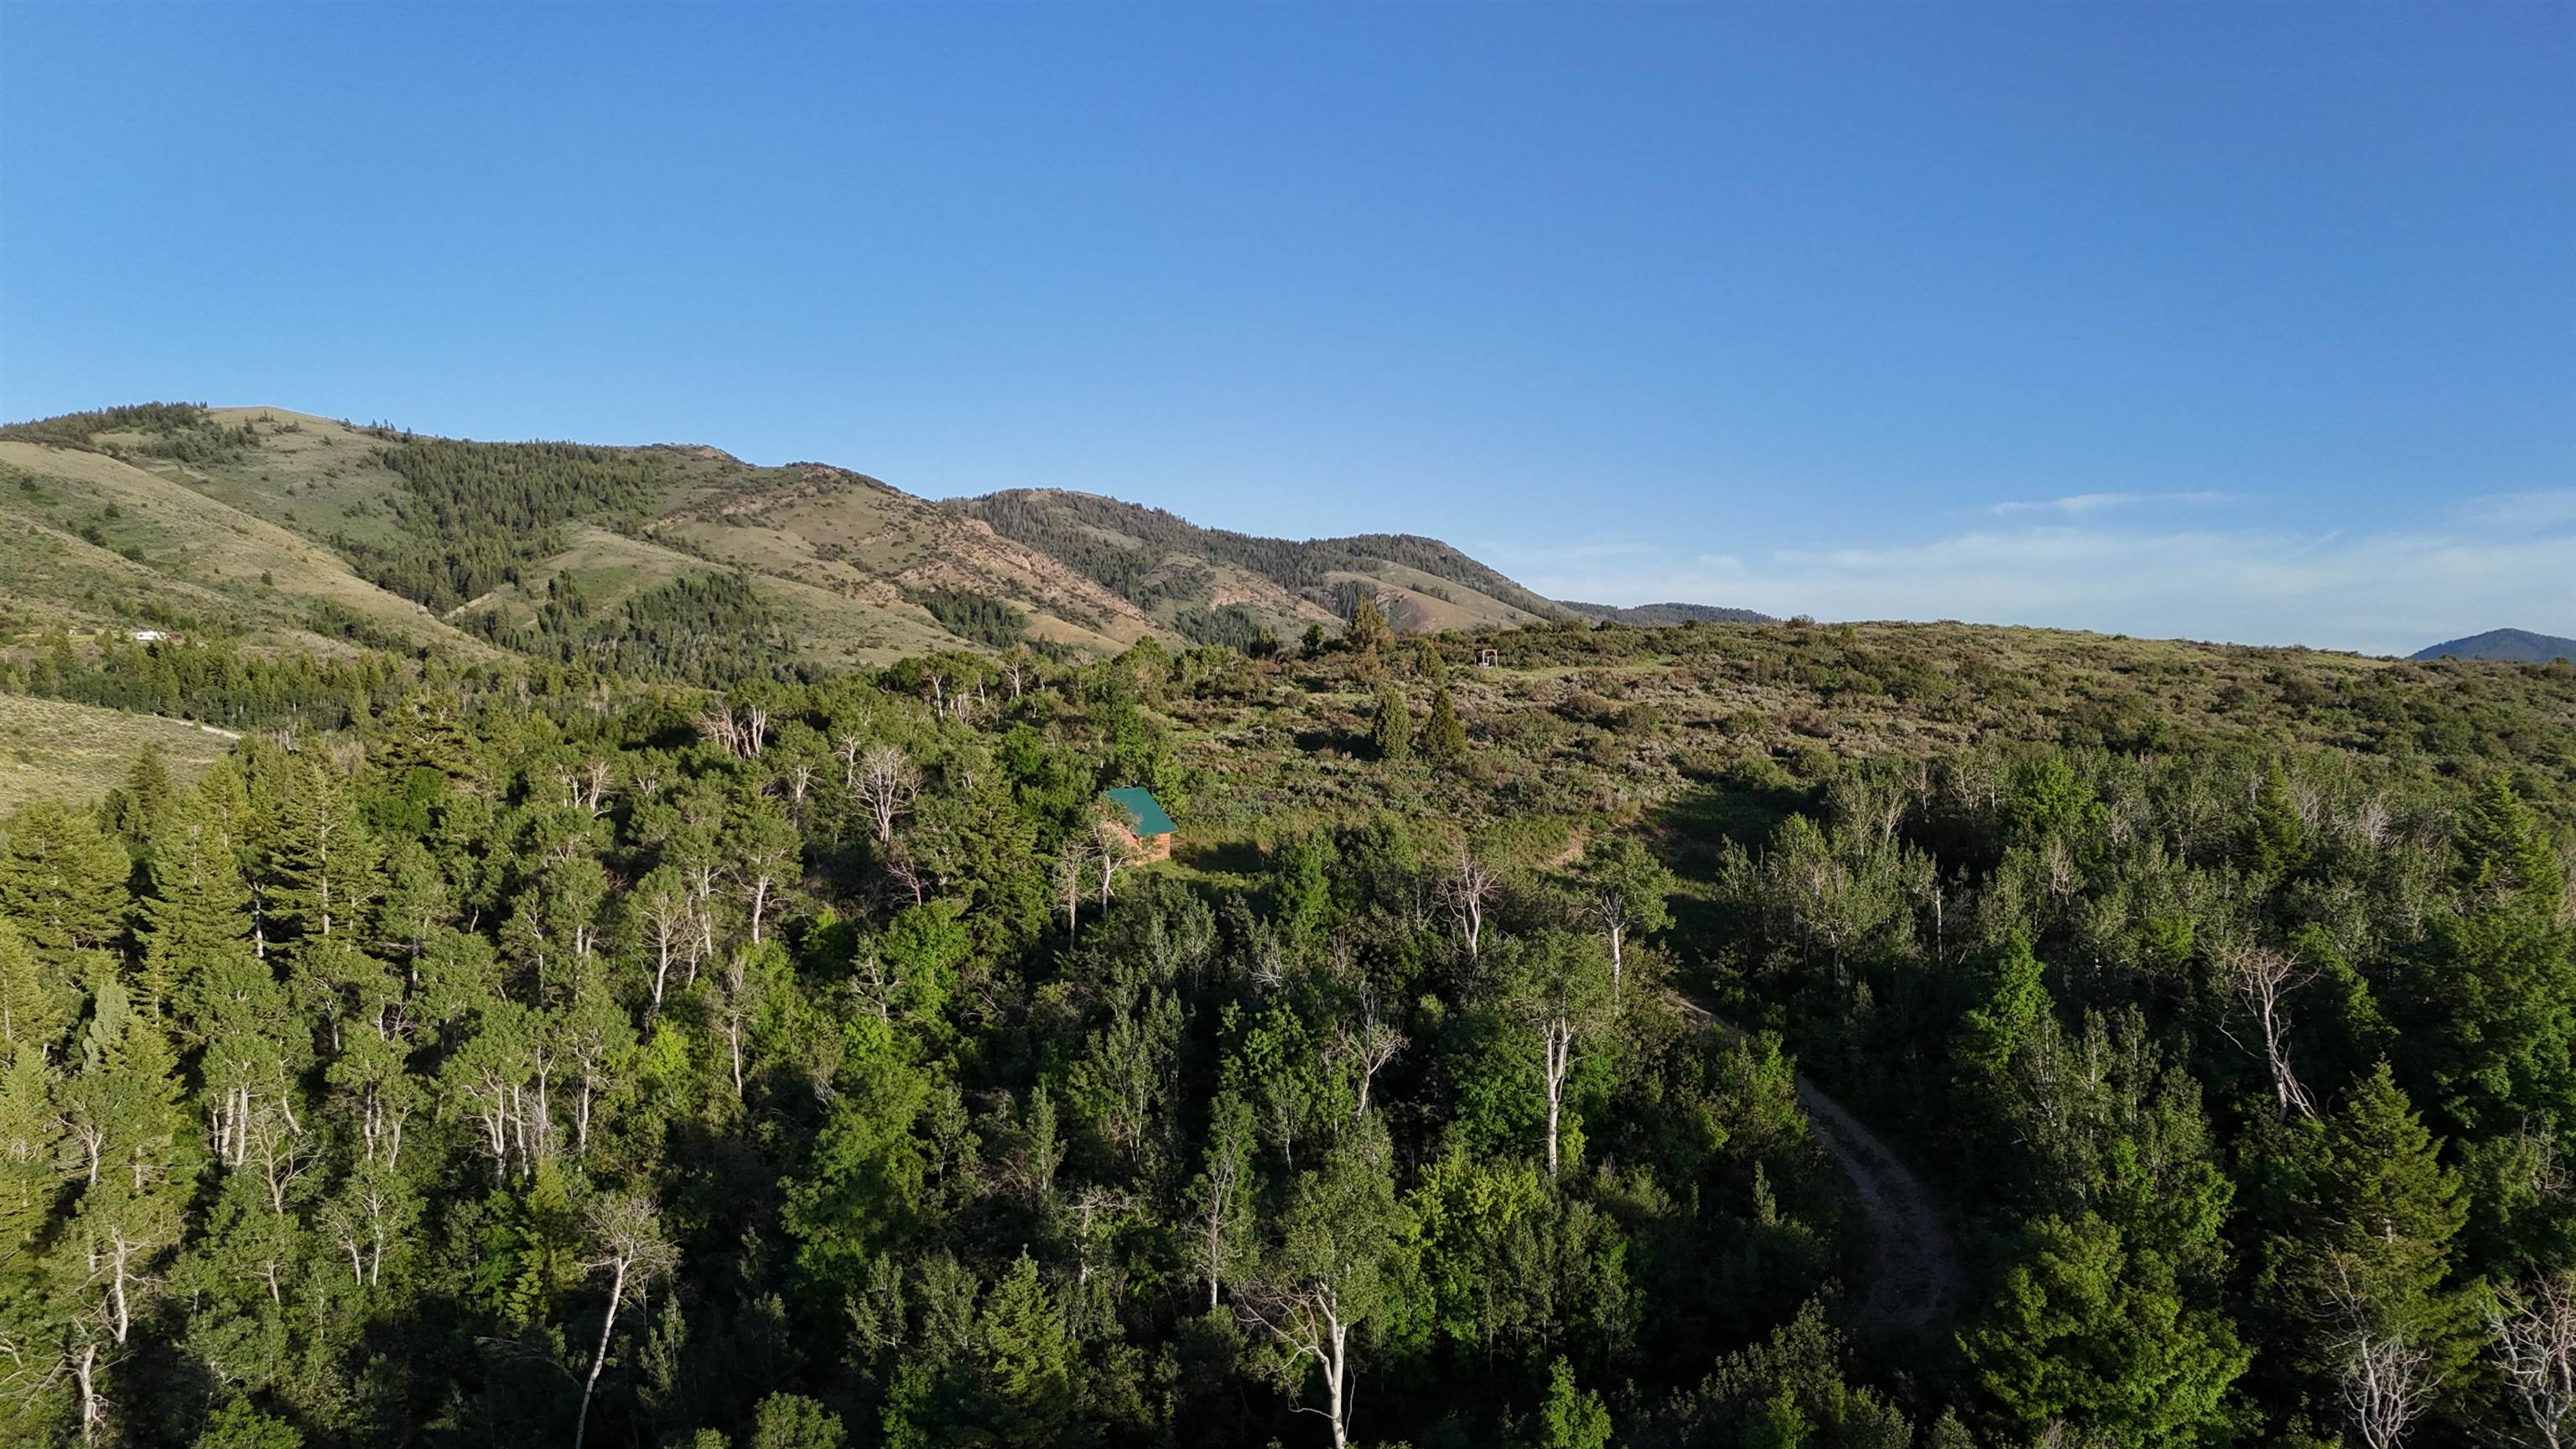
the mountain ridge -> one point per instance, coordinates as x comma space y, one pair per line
2520, 646
563, 550
1670, 613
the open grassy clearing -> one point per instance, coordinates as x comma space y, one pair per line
315, 475
75, 753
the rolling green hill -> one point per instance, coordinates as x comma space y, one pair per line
296, 529
93, 541
1670, 614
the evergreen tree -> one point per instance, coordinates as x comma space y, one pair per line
35, 1005
1444, 738
1391, 733
1367, 632
63, 881
142, 808
2370, 1249
323, 860
199, 909
1996, 1027
2091, 1332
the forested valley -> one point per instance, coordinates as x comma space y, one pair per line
598, 1050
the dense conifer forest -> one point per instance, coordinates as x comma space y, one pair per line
1694, 1036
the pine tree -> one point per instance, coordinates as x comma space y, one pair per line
2090, 1332
323, 861
2489, 999
1367, 632
1392, 730
1996, 1027
1444, 737
2503, 852
199, 909
2368, 1248
35, 1007
1029, 1363
63, 881
1572, 1418
146, 802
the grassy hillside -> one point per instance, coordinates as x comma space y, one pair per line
1181, 573
448, 543
853, 536
50, 749
91, 541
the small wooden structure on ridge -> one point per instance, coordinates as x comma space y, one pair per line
1153, 829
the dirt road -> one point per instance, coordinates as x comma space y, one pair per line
1914, 1274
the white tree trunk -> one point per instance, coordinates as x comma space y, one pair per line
599, 1360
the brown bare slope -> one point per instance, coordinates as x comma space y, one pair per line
1171, 567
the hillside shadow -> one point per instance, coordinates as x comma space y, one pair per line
1693, 827
1691, 832
1220, 857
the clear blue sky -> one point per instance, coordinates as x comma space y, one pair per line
2244, 321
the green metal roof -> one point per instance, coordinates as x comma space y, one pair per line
1140, 805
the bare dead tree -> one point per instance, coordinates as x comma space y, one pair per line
2263, 979
1369, 1044
717, 724
1306, 1319
2534, 1347
1112, 842
907, 872
1228, 1163
281, 1155
875, 983
628, 1230
1068, 870
667, 920
1466, 888
743, 732
2388, 1384
885, 780
1556, 1046
1094, 1210
595, 787
799, 780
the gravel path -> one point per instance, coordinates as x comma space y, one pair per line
1914, 1272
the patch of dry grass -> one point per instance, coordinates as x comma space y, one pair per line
76, 753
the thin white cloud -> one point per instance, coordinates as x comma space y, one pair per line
2080, 504
2538, 508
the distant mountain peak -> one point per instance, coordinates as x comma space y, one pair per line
1669, 613
2520, 646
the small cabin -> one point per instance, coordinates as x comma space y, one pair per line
1488, 657
1152, 828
